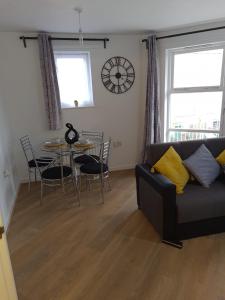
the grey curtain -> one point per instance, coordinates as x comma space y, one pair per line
152, 117
50, 82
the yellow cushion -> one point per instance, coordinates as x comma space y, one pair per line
221, 158
171, 166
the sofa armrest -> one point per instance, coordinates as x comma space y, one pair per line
159, 182
156, 197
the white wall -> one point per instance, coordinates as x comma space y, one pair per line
184, 41
8, 176
119, 116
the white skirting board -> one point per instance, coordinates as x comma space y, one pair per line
9, 217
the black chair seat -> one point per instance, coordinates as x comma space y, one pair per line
55, 172
93, 168
42, 162
85, 159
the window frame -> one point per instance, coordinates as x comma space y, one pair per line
63, 52
170, 89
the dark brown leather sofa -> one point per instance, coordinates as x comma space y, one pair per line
199, 211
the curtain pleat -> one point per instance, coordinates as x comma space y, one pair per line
152, 117
50, 82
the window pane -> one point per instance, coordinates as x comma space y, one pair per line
195, 110
74, 80
201, 68
175, 136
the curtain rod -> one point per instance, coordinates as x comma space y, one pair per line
186, 33
24, 38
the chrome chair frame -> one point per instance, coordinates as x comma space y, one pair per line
58, 181
57, 161
97, 137
29, 155
103, 175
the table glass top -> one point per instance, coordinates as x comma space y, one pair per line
59, 144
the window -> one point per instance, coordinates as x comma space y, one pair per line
74, 78
195, 91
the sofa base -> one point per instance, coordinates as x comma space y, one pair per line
176, 244
200, 228
156, 197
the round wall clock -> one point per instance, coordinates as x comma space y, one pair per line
118, 74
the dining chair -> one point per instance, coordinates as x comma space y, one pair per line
95, 137
55, 174
41, 162
98, 168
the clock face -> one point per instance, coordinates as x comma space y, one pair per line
118, 74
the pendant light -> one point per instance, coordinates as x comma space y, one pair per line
78, 10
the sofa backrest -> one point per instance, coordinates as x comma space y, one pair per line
185, 148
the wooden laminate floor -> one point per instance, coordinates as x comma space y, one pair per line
106, 252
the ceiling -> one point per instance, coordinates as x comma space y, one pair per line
107, 16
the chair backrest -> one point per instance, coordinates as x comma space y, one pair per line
27, 148
30, 155
104, 152
96, 137
93, 135
28, 151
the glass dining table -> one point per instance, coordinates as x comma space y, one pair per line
63, 151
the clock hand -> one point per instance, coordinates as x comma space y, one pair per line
115, 75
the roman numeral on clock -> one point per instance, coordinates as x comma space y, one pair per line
113, 88
118, 60
105, 76
107, 83
110, 62
128, 68
119, 89
129, 82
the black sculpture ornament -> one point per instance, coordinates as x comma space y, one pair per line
71, 135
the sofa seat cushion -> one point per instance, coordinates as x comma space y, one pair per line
199, 203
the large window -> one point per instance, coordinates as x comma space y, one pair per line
195, 91
74, 78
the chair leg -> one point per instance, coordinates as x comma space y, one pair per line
80, 182
35, 174
62, 175
86, 177
102, 187
109, 186
76, 187
89, 185
29, 184
42, 192
63, 186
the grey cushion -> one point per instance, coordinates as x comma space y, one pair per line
203, 166
198, 203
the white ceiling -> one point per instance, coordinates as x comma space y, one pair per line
107, 16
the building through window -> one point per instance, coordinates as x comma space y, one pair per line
195, 88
